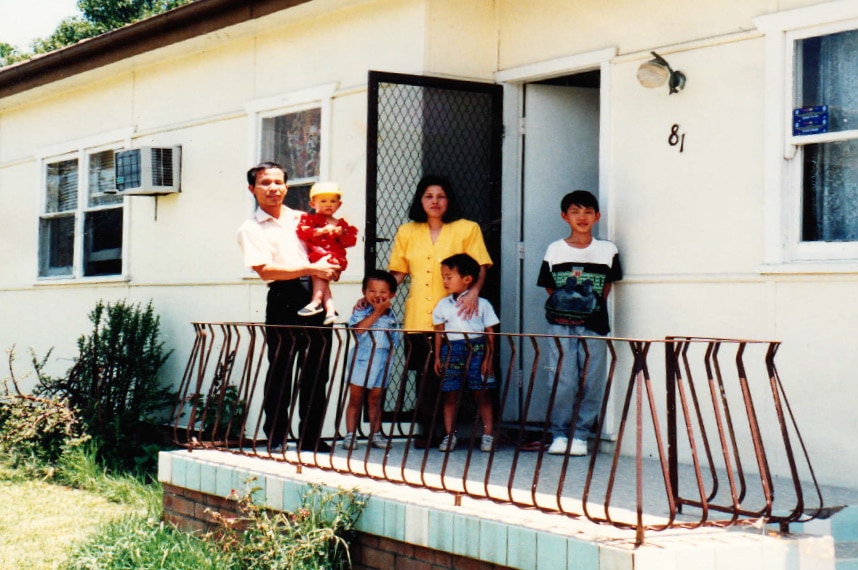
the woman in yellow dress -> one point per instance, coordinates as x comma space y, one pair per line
437, 231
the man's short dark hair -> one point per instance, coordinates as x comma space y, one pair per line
464, 264
251, 174
580, 198
380, 275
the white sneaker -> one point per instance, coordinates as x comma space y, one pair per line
579, 447
558, 446
378, 440
448, 443
486, 443
349, 441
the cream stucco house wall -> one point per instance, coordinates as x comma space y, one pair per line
709, 230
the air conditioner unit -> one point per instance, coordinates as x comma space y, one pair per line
147, 170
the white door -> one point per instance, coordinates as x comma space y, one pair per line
561, 154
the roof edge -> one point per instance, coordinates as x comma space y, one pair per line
183, 23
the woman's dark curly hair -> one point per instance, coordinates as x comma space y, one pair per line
418, 214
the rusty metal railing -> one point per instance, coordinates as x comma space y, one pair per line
691, 432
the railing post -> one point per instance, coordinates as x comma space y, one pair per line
670, 389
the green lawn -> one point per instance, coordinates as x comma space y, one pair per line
41, 522
112, 522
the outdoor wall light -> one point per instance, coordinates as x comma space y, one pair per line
655, 72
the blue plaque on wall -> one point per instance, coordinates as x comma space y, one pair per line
810, 120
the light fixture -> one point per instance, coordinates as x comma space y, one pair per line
656, 71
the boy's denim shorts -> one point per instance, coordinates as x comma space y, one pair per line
370, 375
458, 365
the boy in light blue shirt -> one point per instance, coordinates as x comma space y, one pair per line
369, 361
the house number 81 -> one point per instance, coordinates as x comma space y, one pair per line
676, 138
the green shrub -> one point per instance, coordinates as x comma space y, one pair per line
114, 382
314, 537
221, 414
35, 431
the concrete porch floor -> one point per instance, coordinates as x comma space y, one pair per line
526, 538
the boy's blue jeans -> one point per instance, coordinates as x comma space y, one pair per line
577, 361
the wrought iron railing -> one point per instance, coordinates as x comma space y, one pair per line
693, 431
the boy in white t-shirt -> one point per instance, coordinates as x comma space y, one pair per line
467, 354
577, 272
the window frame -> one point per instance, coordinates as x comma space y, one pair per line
80, 151
320, 97
784, 251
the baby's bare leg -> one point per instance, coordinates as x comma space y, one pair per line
320, 290
328, 299
317, 297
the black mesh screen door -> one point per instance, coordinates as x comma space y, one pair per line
421, 125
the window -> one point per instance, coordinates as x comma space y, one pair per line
812, 128
80, 229
294, 140
292, 130
826, 104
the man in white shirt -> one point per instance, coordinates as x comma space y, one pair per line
270, 246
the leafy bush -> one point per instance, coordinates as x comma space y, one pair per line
220, 415
224, 418
114, 382
314, 537
34, 431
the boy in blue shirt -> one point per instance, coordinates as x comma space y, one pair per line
369, 361
577, 272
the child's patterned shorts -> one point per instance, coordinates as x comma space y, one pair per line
463, 359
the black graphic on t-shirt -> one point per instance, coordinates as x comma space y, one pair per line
574, 302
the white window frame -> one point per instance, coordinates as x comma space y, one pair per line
784, 252
320, 97
80, 150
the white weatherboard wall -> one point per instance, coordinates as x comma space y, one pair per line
181, 249
690, 225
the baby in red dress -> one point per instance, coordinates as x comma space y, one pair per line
325, 237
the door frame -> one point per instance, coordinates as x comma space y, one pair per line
485, 204
513, 81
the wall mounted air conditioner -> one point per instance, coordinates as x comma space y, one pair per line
147, 170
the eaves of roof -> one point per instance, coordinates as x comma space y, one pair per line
183, 23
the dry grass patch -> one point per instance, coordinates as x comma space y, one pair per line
41, 522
